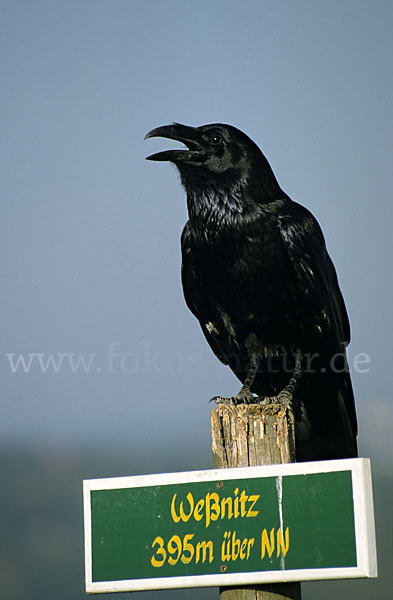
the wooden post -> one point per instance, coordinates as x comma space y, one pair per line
250, 435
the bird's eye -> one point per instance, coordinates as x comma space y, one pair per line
216, 140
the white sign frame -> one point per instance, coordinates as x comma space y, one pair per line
363, 520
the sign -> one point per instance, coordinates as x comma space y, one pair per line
268, 524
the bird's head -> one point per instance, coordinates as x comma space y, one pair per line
216, 154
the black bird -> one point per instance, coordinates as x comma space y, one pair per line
257, 276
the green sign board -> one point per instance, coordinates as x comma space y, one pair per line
273, 523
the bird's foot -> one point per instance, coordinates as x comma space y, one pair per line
245, 396
284, 397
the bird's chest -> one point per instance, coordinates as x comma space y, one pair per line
241, 274
242, 259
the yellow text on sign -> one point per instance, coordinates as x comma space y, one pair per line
211, 507
181, 549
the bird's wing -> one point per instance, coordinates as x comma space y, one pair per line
305, 245
306, 248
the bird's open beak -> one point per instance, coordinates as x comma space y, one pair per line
190, 136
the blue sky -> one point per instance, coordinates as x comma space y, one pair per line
90, 230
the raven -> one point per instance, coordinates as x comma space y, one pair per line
257, 276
